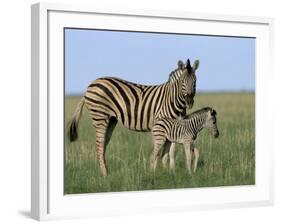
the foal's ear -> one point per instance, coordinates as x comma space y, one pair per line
195, 65
180, 65
213, 112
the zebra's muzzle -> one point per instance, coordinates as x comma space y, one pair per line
217, 134
189, 102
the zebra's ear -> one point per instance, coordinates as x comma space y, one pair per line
180, 65
188, 66
195, 65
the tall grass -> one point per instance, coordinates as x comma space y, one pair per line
228, 160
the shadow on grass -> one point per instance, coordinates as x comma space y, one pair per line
24, 213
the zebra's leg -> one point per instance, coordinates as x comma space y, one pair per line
101, 132
196, 157
111, 125
188, 156
165, 154
172, 152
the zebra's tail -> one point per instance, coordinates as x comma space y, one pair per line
73, 129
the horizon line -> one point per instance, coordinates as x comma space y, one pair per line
198, 92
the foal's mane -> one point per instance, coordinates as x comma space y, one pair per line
197, 112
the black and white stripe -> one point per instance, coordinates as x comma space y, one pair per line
184, 131
136, 106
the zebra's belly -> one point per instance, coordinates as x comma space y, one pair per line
105, 111
175, 138
133, 105
135, 126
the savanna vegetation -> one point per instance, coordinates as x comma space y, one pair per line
228, 160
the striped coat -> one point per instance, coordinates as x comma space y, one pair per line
136, 106
183, 131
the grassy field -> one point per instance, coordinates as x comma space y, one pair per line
228, 160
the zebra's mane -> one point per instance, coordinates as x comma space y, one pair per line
174, 75
197, 112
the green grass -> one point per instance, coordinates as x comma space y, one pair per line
228, 160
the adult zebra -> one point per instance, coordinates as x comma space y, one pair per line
136, 106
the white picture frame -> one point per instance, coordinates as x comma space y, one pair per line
47, 198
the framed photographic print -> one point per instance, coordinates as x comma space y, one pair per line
148, 111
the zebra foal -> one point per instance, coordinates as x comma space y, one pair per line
167, 130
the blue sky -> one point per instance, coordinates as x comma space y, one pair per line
226, 63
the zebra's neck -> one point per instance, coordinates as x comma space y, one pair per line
175, 75
177, 99
174, 102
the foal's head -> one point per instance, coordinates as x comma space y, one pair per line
211, 122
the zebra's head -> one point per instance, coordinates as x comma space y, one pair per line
187, 81
211, 122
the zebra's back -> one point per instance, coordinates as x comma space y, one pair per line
171, 129
134, 105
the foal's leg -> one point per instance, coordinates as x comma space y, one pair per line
196, 155
172, 153
188, 156
165, 154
